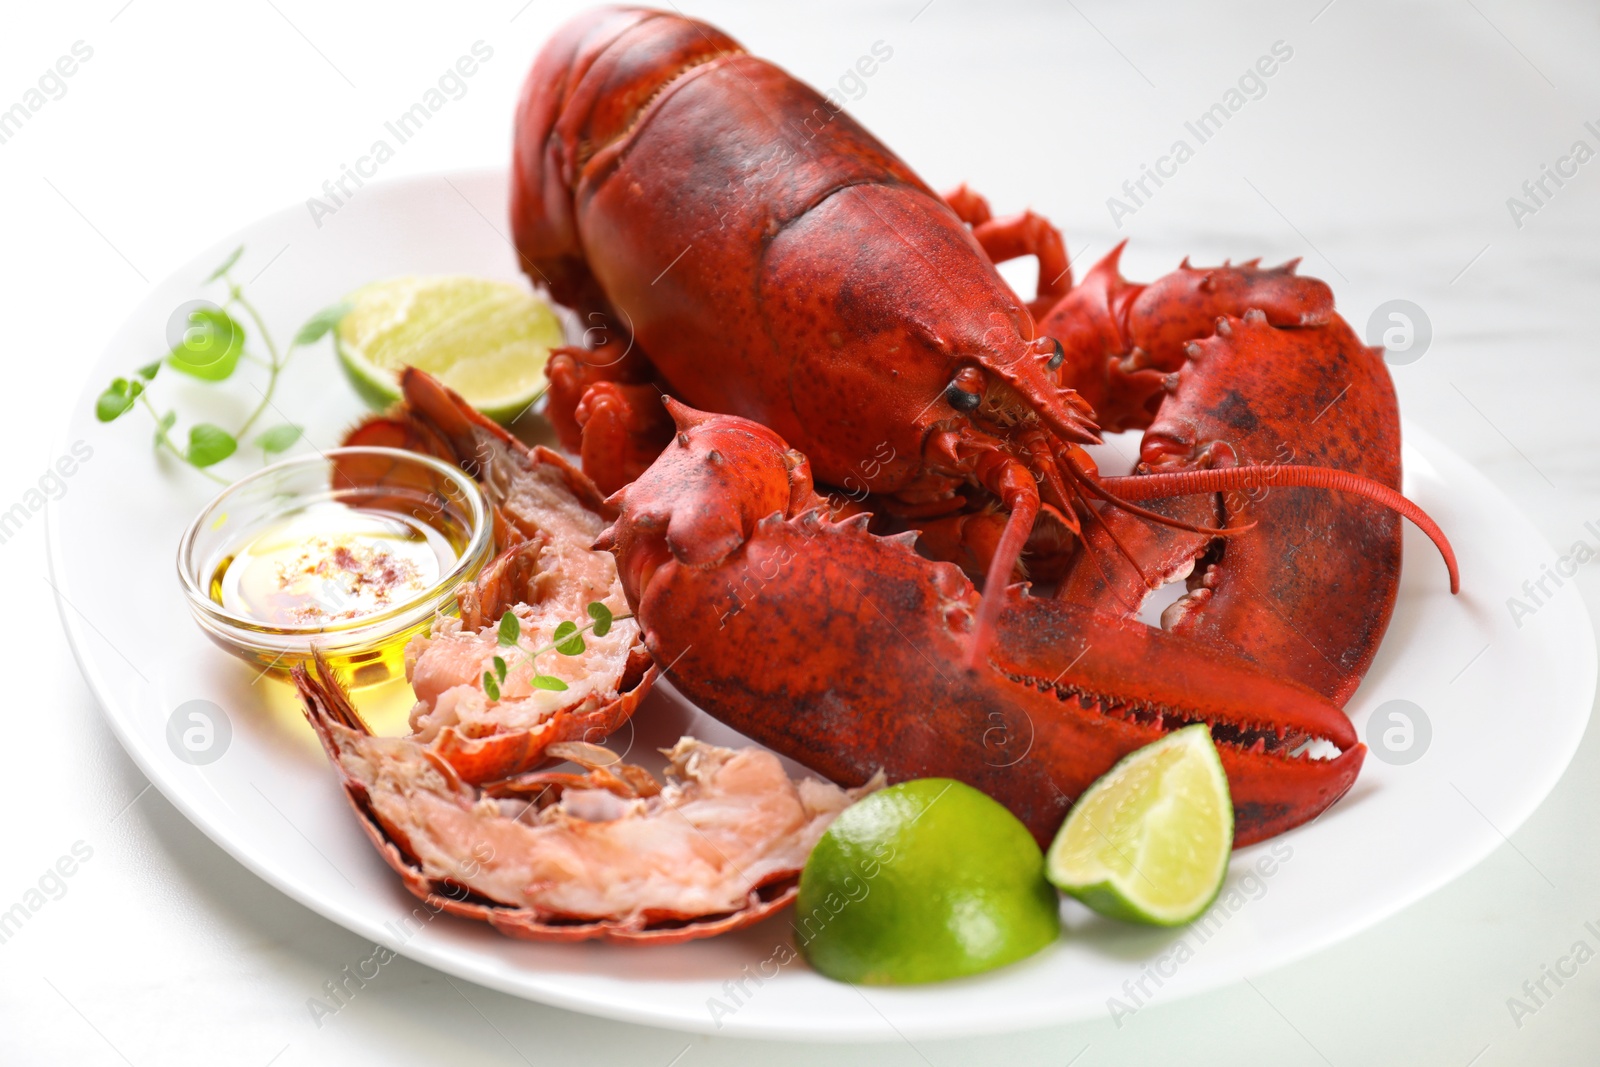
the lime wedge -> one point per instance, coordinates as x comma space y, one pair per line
923, 881
487, 340
1149, 841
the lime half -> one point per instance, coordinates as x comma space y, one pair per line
1149, 841
926, 880
487, 340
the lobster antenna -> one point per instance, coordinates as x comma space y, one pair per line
1222, 479
1083, 484
1094, 557
1019, 524
1097, 485
1078, 498
1091, 480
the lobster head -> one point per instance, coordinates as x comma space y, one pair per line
882, 362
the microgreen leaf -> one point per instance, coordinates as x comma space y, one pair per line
211, 345
548, 681
602, 618
500, 668
278, 438
118, 397
321, 323
226, 264
490, 686
209, 444
510, 629
568, 641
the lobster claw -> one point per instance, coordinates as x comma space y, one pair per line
1149, 682
1063, 693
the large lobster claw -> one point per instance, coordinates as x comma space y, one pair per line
1264, 409
1152, 681
842, 650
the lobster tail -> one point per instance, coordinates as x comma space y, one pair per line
546, 876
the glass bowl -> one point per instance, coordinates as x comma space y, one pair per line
437, 500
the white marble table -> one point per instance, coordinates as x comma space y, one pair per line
1384, 149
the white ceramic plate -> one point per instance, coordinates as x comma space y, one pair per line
1506, 704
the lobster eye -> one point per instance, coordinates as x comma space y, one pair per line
965, 391
1056, 357
959, 398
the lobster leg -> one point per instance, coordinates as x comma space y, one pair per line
1234, 367
970, 206
606, 407
624, 429
729, 568
969, 539
1018, 493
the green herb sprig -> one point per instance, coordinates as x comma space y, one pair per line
212, 348
567, 640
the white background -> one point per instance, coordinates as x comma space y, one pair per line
1384, 152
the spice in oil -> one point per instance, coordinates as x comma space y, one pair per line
329, 563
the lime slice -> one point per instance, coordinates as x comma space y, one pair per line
926, 880
1149, 841
487, 340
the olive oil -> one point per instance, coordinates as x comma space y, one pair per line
327, 565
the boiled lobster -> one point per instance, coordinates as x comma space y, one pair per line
735, 241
